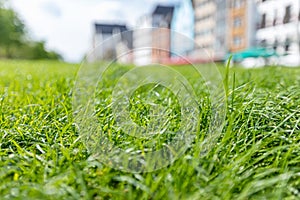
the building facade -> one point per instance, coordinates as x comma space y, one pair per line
182, 29
204, 28
164, 35
221, 29
110, 42
142, 41
279, 27
224, 26
242, 23
161, 34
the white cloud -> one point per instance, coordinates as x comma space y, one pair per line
67, 25
52, 9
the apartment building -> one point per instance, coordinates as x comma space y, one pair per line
242, 24
165, 34
279, 26
142, 41
224, 26
204, 28
182, 35
221, 29
161, 34
110, 41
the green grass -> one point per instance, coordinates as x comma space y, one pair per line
43, 157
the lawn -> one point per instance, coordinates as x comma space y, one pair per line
43, 155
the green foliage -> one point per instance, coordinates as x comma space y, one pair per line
11, 30
37, 50
14, 42
42, 156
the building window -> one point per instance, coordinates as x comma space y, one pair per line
237, 41
263, 43
237, 3
205, 32
287, 16
275, 18
203, 18
237, 22
287, 45
275, 45
263, 21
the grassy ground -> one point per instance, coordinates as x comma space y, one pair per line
42, 157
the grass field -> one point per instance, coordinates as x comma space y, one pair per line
42, 157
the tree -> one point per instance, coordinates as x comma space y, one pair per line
12, 30
13, 40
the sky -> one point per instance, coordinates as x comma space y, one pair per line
66, 25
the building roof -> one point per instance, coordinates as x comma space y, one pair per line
112, 29
162, 16
109, 28
163, 10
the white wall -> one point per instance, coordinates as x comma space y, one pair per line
281, 31
142, 41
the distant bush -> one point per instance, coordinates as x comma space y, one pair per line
35, 51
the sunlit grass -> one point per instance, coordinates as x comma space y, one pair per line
42, 157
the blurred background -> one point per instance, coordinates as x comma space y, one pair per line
255, 32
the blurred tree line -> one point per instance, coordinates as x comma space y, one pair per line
14, 42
